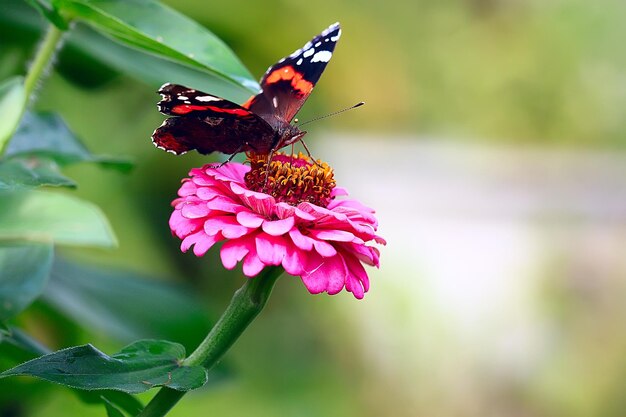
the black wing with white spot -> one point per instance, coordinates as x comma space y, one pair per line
207, 123
178, 100
287, 84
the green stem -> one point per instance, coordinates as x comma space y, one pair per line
43, 59
41, 62
245, 305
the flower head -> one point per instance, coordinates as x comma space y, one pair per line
285, 214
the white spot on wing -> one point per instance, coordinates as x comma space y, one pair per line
318, 44
299, 61
183, 98
336, 37
275, 102
308, 52
322, 56
207, 98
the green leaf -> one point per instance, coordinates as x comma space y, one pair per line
122, 401
32, 172
42, 216
12, 105
24, 270
46, 134
123, 304
90, 59
25, 343
158, 29
136, 368
25, 347
4, 330
112, 409
145, 67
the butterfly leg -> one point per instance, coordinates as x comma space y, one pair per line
230, 158
267, 168
291, 157
309, 152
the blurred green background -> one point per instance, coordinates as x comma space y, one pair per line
491, 146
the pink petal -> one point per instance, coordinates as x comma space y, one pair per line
304, 215
320, 213
224, 204
315, 283
329, 275
336, 270
178, 202
335, 235
357, 281
294, 261
233, 251
207, 193
271, 249
205, 243
351, 206
227, 225
194, 210
324, 248
301, 241
229, 172
191, 240
364, 253
284, 210
338, 191
188, 188
365, 229
258, 202
252, 265
233, 232
250, 219
182, 226
278, 227
201, 242
200, 178
197, 173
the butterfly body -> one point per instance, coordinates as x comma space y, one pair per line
207, 123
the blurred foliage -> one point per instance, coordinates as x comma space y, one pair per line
518, 71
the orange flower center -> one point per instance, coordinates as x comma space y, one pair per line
292, 179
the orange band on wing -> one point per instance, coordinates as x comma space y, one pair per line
188, 108
289, 74
247, 104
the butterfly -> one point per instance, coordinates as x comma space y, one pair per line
207, 123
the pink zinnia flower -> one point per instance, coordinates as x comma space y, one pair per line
289, 216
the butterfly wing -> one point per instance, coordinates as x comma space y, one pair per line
178, 100
208, 123
287, 84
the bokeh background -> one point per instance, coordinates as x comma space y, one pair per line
491, 146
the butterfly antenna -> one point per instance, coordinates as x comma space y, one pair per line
332, 114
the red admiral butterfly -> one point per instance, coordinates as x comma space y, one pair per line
208, 123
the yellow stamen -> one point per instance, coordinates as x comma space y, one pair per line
292, 179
